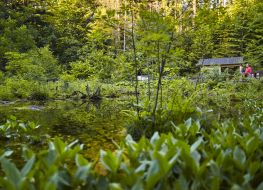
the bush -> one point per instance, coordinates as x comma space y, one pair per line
39, 95
37, 64
19, 88
5, 93
14, 88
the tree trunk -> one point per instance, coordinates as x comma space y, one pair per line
135, 62
124, 27
164, 59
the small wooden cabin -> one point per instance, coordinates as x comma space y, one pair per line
227, 62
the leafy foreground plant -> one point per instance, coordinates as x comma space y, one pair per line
223, 156
15, 129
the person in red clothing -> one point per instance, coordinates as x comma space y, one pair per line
248, 70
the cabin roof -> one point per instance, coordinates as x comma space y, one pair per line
221, 61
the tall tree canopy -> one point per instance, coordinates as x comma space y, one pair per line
74, 29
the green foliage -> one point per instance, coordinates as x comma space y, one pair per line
213, 75
183, 99
223, 156
14, 129
97, 64
2, 77
38, 64
254, 47
14, 38
14, 88
39, 95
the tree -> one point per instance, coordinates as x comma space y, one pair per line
36, 64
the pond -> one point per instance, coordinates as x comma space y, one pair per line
96, 125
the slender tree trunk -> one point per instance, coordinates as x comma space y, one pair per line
194, 7
124, 27
149, 82
159, 79
199, 75
164, 59
194, 12
135, 62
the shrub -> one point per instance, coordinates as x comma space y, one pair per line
36, 64
39, 95
20, 88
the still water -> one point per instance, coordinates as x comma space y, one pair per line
96, 125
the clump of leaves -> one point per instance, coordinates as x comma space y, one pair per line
15, 129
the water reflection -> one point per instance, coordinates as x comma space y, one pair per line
96, 124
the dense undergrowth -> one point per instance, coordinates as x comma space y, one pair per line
182, 99
15, 89
225, 155
203, 136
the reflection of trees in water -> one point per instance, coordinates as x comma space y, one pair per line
90, 118
89, 104
85, 120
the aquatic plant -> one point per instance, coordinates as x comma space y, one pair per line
14, 129
226, 155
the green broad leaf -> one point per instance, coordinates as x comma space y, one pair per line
153, 174
2, 127
199, 110
155, 138
72, 144
182, 183
239, 155
163, 164
183, 146
83, 172
254, 167
196, 156
215, 170
110, 161
12, 118
174, 126
236, 187
138, 185
197, 123
50, 186
215, 183
80, 160
174, 158
143, 166
247, 179
188, 123
129, 138
26, 169
196, 144
51, 157
59, 145
7, 153
27, 153
115, 186
103, 183
251, 145
11, 171
59, 177
51, 146
260, 186
22, 126
130, 142
7, 184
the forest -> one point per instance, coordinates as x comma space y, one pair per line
116, 95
